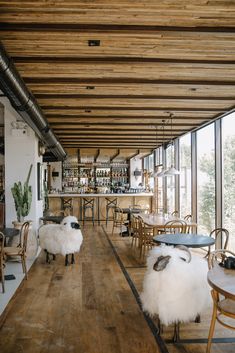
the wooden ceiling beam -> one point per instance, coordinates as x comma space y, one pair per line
77, 27
125, 80
96, 59
118, 108
126, 97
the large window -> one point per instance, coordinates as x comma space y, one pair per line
185, 175
158, 186
206, 179
228, 138
170, 180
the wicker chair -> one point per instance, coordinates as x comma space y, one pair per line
20, 250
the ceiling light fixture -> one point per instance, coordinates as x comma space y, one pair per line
160, 173
172, 170
90, 87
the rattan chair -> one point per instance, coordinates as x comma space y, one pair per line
2, 264
20, 250
119, 220
222, 306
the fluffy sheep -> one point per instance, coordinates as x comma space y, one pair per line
64, 238
175, 285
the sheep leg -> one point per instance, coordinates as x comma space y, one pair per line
47, 257
176, 337
72, 259
198, 319
53, 256
66, 260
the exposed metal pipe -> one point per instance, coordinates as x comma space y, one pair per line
13, 86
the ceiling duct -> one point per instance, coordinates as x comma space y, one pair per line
25, 104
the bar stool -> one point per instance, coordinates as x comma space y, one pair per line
67, 205
110, 204
88, 204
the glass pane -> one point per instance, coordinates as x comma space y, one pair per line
206, 179
158, 190
170, 180
228, 131
185, 175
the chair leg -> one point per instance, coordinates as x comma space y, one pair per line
93, 216
24, 266
212, 327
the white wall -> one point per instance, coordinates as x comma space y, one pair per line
20, 152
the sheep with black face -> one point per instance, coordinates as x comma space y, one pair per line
175, 285
64, 238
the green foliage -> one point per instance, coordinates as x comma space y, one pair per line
22, 197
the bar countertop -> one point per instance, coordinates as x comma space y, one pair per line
134, 194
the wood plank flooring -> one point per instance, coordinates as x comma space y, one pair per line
89, 307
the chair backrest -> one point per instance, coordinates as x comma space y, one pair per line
175, 213
24, 231
2, 241
118, 215
66, 203
177, 226
88, 202
111, 202
220, 234
218, 256
188, 217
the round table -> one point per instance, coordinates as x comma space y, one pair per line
189, 240
54, 219
9, 233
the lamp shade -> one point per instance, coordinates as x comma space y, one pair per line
171, 171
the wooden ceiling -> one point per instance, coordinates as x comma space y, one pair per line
159, 62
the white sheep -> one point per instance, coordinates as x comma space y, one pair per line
175, 285
64, 238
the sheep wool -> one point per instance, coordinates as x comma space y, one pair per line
180, 291
61, 238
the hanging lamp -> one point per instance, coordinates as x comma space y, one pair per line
160, 173
172, 170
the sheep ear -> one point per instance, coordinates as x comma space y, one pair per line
161, 263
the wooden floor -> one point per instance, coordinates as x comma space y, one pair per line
90, 307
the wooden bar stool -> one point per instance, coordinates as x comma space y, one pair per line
111, 204
67, 205
88, 204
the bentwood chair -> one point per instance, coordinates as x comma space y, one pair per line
177, 226
220, 235
20, 250
223, 307
2, 265
175, 213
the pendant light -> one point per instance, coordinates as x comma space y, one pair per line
172, 170
160, 173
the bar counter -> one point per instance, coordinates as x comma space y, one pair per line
123, 200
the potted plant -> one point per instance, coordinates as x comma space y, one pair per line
22, 195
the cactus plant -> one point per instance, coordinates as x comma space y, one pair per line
22, 197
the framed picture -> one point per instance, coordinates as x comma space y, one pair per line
40, 180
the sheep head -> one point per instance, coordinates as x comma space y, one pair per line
70, 222
161, 263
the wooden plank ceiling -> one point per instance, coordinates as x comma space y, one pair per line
158, 62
